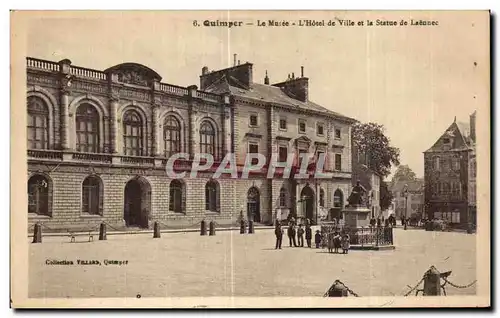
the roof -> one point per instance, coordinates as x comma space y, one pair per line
269, 94
459, 133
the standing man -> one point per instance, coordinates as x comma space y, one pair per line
278, 231
300, 235
291, 234
308, 235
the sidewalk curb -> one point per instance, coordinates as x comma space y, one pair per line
86, 233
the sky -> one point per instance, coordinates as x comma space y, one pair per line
413, 80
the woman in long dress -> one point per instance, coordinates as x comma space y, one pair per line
345, 244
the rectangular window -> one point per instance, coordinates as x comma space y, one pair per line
446, 140
337, 133
253, 148
338, 162
320, 153
320, 129
283, 124
282, 154
253, 120
301, 151
302, 126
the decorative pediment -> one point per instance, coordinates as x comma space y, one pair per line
283, 138
303, 140
320, 143
133, 73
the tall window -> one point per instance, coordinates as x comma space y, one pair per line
338, 162
338, 199
282, 154
172, 136
87, 129
91, 196
282, 197
207, 138
38, 195
212, 196
436, 163
321, 198
38, 124
176, 202
132, 133
253, 148
446, 188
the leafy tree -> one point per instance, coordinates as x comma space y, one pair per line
403, 173
369, 139
386, 196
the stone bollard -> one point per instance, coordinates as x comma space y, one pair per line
156, 230
211, 226
432, 279
251, 229
242, 227
37, 234
337, 290
203, 228
102, 232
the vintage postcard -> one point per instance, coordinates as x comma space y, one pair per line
250, 159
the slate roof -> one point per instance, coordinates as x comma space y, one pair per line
267, 93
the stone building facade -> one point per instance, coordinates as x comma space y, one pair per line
447, 170
413, 203
99, 141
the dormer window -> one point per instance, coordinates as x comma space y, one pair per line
446, 141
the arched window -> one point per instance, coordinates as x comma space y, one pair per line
92, 197
321, 197
39, 190
38, 123
171, 136
177, 197
87, 129
282, 197
207, 138
446, 188
132, 134
212, 201
338, 200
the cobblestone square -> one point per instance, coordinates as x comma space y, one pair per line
231, 264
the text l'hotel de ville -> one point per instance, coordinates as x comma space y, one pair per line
317, 23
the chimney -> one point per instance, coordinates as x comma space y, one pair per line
297, 88
473, 126
301, 71
238, 62
234, 62
204, 70
266, 79
238, 75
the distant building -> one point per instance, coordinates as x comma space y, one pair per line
368, 178
415, 200
450, 170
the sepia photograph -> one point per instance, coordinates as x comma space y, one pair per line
237, 159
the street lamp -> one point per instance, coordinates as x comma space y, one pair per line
405, 193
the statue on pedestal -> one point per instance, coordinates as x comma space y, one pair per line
357, 194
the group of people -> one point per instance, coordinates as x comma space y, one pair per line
335, 240
379, 222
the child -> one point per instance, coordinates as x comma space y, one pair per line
330, 242
300, 235
345, 244
308, 235
317, 238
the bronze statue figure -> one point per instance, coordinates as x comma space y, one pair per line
356, 197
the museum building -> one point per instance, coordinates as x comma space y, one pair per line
98, 143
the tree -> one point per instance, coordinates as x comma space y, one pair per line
386, 196
369, 140
404, 173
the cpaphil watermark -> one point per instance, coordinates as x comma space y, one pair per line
253, 163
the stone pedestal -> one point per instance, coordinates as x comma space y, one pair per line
356, 216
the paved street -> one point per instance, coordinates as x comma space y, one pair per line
187, 264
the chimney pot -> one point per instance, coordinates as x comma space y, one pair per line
238, 62
301, 71
266, 79
293, 75
234, 60
204, 70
